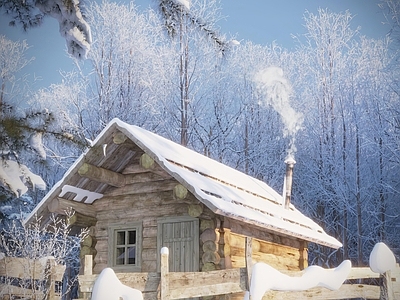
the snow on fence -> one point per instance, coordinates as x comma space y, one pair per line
32, 278
167, 285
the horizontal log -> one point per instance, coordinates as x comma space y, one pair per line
102, 175
145, 282
210, 246
238, 241
347, 291
195, 284
81, 220
149, 265
210, 257
149, 242
85, 250
366, 272
132, 201
19, 291
143, 187
205, 291
208, 267
281, 261
195, 210
89, 241
136, 168
120, 138
149, 254
205, 224
209, 235
262, 234
240, 262
25, 268
61, 206
180, 192
147, 162
143, 177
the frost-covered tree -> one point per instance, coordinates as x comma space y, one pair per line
125, 76
73, 27
344, 163
16, 127
21, 129
184, 20
391, 10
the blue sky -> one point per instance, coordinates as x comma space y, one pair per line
259, 21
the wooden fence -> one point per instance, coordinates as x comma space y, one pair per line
31, 278
176, 285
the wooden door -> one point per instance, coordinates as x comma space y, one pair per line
181, 236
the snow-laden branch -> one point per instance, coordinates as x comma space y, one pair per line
17, 177
73, 27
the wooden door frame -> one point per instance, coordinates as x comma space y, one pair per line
196, 238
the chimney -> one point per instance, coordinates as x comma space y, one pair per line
287, 187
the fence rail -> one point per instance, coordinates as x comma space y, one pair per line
167, 285
28, 272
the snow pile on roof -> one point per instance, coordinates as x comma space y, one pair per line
225, 190
222, 189
16, 177
73, 27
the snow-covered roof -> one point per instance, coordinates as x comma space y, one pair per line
224, 190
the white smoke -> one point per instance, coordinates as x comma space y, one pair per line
277, 91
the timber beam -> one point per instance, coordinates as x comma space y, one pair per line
61, 206
143, 187
102, 175
121, 139
81, 220
148, 164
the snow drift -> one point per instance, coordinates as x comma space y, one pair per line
108, 287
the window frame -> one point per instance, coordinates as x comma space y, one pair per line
112, 247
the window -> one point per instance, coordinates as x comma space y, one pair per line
124, 247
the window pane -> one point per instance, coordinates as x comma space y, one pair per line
132, 255
120, 237
132, 237
120, 256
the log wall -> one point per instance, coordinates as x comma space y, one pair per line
281, 252
126, 209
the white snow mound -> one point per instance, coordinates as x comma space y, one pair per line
108, 287
381, 259
265, 278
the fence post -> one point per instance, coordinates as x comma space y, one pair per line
51, 282
387, 286
88, 267
249, 264
87, 270
164, 268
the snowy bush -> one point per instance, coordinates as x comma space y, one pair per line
40, 242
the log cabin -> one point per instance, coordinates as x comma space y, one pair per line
138, 192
